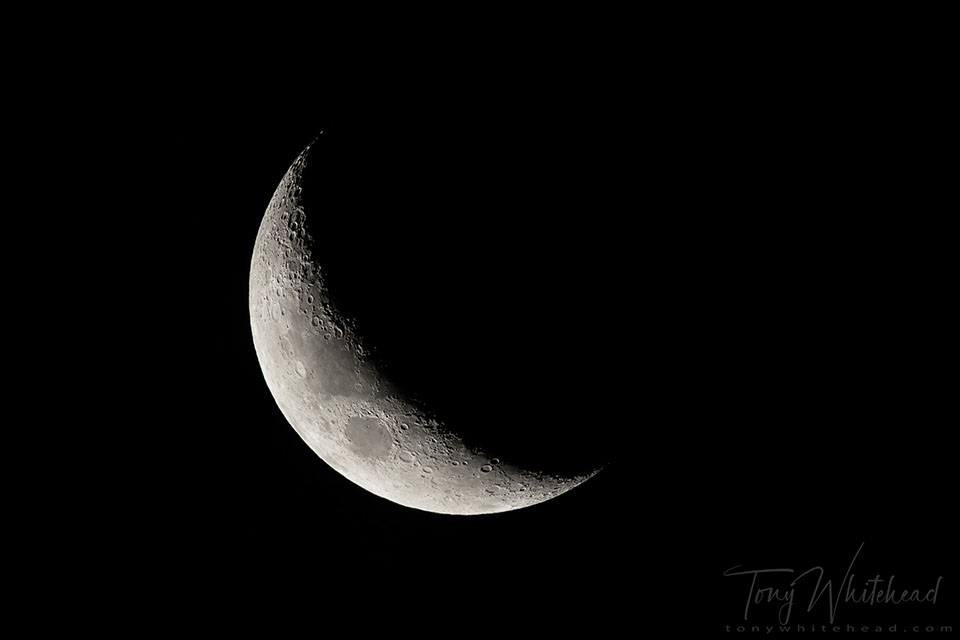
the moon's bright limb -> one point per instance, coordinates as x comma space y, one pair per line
327, 385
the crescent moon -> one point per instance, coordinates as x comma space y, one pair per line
330, 389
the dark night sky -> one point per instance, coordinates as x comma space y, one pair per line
756, 335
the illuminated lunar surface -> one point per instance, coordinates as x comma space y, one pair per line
326, 382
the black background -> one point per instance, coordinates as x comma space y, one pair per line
729, 272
